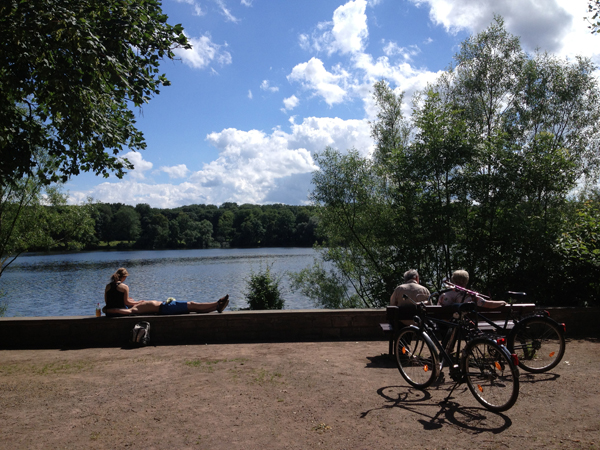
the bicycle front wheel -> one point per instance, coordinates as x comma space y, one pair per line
491, 376
538, 342
416, 358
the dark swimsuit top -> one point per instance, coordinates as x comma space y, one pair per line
114, 297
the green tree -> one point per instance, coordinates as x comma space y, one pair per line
36, 217
593, 17
263, 290
480, 181
579, 252
225, 228
70, 72
325, 288
126, 224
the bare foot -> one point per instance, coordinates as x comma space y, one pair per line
222, 303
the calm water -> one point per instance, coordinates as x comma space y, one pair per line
72, 284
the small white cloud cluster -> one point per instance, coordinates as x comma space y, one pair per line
203, 53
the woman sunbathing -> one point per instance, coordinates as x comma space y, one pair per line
118, 302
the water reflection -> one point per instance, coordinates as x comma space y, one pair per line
72, 284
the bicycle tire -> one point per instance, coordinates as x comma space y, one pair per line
490, 374
416, 358
539, 342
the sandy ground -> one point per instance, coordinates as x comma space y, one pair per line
329, 395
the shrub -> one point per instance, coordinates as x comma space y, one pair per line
263, 291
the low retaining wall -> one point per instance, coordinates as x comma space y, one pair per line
230, 327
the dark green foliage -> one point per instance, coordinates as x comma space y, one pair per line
71, 71
326, 289
205, 226
37, 217
478, 180
263, 291
593, 18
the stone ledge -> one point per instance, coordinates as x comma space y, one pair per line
230, 327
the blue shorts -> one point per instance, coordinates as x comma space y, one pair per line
173, 308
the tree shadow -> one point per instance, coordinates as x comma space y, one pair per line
434, 415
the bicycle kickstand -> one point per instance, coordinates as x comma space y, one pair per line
450, 394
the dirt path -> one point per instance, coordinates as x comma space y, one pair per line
332, 395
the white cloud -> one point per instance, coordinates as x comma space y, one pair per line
197, 9
246, 2
226, 12
249, 94
179, 171
252, 167
393, 49
313, 75
203, 53
139, 164
132, 192
555, 26
266, 86
350, 27
290, 102
346, 33
316, 133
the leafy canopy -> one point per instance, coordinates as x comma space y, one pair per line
69, 73
478, 179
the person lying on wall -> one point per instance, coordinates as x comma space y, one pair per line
118, 302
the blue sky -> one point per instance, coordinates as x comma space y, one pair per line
270, 83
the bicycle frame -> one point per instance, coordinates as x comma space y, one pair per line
426, 325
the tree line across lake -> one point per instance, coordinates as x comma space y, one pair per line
202, 226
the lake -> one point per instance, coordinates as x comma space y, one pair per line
72, 284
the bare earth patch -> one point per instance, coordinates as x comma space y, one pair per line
330, 395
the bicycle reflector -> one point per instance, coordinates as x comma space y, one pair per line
515, 359
564, 327
501, 341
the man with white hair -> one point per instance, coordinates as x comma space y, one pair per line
411, 288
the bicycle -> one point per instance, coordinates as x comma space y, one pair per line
486, 366
537, 340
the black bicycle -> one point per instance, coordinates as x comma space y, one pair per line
536, 339
487, 367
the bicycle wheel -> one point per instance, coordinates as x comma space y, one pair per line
538, 342
491, 376
416, 358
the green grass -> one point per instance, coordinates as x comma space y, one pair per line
46, 369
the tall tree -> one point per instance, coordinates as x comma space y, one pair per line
70, 73
480, 181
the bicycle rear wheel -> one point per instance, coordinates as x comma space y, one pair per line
538, 342
416, 358
491, 376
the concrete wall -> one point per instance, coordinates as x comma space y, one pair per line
230, 327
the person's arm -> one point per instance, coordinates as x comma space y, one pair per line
393, 301
125, 290
489, 304
117, 311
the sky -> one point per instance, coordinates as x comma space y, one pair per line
269, 84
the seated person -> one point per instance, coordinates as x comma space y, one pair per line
461, 278
411, 288
116, 297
